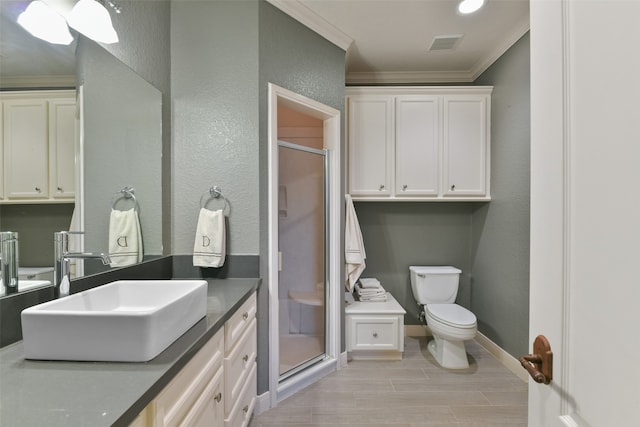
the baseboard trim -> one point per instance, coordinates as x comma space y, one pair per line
343, 360
263, 403
510, 362
417, 331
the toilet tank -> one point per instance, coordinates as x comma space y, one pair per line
434, 284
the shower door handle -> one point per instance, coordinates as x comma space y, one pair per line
540, 363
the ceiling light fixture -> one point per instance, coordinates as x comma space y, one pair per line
88, 17
93, 20
469, 6
45, 23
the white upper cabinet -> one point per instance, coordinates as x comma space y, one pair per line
371, 145
39, 134
419, 143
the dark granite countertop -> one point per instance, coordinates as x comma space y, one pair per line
69, 394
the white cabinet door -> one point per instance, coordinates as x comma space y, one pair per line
417, 146
370, 122
208, 410
63, 130
26, 160
465, 137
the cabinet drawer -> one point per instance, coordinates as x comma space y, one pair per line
237, 365
243, 408
173, 403
236, 325
208, 409
373, 333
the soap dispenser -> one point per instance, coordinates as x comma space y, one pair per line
9, 261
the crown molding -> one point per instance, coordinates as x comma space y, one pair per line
408, 77
313, 21
8, 82
509, 40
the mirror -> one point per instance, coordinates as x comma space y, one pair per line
122, 120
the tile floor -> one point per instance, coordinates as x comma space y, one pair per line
414, 392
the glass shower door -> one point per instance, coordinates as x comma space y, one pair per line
302, 237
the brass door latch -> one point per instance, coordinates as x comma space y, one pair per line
540, 363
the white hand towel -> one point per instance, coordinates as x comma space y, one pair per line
125, 238
209, 247
370, 283
354, 253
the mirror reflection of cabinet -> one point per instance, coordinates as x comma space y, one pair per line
39, 136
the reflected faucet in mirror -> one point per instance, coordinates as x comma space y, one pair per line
62, 264
9, 261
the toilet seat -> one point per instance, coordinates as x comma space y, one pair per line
452, 315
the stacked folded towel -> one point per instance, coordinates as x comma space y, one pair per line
370, 290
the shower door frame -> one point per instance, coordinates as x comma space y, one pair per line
280, 390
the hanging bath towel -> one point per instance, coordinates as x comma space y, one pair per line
354, 252
210, 242
125, 238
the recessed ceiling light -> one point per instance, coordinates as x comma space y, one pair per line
469, 6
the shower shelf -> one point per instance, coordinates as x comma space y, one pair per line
306, 297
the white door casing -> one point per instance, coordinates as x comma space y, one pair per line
585, 212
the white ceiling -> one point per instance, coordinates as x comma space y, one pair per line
387, 41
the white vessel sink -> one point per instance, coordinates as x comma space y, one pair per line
123, 321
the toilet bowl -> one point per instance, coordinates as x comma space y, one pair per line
451, 325
435, 289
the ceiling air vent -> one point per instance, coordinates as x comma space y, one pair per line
445, 42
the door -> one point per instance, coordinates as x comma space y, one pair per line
302, 236
370, 135
585, 219
417, 146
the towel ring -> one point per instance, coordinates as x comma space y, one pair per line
214, 193
125, 194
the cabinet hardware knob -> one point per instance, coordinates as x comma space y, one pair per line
38, 189
60, 190
375, 335
453, 187
381, 187
245, 358
245, 316
245, 409
218, 397
404, 187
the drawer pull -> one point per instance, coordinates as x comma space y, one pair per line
38, 189
245, 358
218, 397
245, 409
375, 335
245, 316
60, 190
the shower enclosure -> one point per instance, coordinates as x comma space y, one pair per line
303, 226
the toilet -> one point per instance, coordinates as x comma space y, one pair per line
435, 289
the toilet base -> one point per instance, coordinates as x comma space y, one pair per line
449, 354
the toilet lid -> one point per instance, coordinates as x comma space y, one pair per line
452, 314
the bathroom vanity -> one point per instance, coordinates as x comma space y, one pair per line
210, 371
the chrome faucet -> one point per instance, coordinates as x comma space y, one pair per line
9, 261
61, 266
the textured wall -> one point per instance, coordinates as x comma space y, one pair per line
400, 234
500, 291
215, 117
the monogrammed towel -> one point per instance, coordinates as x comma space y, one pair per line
210, 242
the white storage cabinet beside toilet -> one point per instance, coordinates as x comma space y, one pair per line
374, 330
435, 289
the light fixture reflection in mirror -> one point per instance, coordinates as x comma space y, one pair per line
48, 21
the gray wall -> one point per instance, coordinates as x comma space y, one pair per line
500, 290
488, 241
223, 55
214, 48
